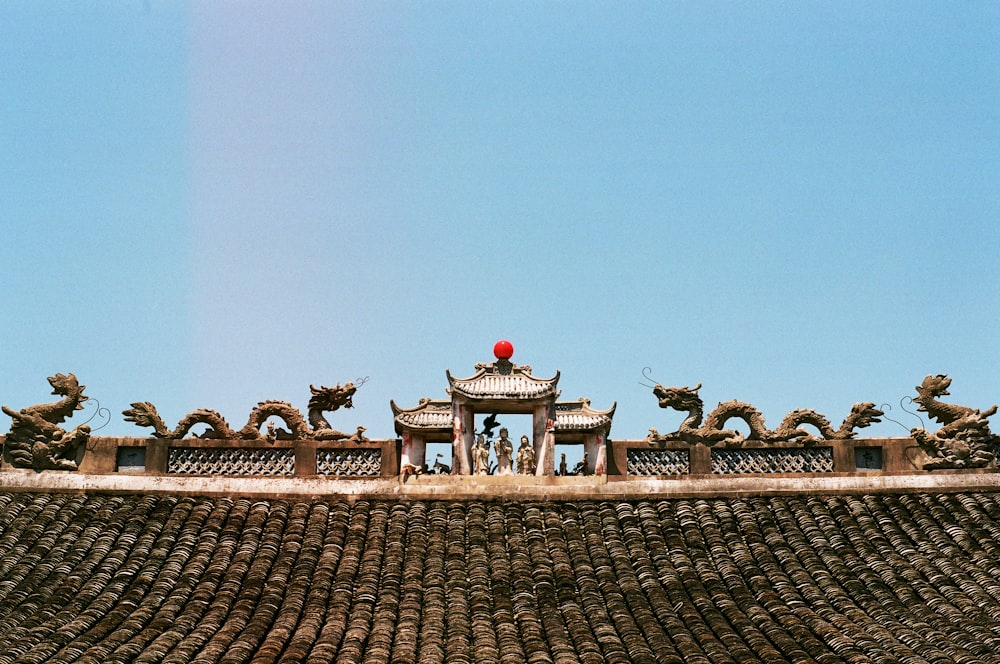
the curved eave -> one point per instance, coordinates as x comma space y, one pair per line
428, 416
580, 417
425, 404
487, 385
581, 423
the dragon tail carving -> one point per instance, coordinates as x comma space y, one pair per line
862, 415
144, 414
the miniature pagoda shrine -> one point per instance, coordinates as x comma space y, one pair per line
496, 388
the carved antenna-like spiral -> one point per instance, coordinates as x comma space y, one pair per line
645, 374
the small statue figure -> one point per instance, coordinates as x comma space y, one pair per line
563, 470
525, 458
505, 454
581, 467
481, 457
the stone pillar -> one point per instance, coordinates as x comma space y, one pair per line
405, 453
468, 437
157, 452
700, 459
390, 457
617, 458
597, 454
458, 465
546, 455
305, 457
538, 417
460, 458
414, 450
463, 430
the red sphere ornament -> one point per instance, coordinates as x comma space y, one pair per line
503, 349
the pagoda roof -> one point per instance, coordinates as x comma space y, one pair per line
429, 414
503, 380
433, 415
579, 416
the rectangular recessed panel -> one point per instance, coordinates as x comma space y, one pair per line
868, 458
131, 460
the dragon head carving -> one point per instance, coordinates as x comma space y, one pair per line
36, 440
964, 440
67, 385
944, 413
678, 398
931, 387
331, 398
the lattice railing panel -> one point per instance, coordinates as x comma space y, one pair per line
364, 462
230, 461
658, 462
756, 460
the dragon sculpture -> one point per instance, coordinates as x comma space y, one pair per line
144, 414
37, 441
964, 440
711, 432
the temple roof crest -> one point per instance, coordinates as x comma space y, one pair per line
503, 380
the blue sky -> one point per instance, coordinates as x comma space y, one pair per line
212, 204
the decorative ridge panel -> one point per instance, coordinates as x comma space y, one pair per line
764, 460
267, 462
658, 462
349, 463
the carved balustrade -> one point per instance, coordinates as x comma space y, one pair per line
627, 459
242, 458
633, 458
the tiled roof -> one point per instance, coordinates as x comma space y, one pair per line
579, 416
436, 415
491, 383
428, 415
115, 578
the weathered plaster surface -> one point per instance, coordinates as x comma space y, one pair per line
499, 488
